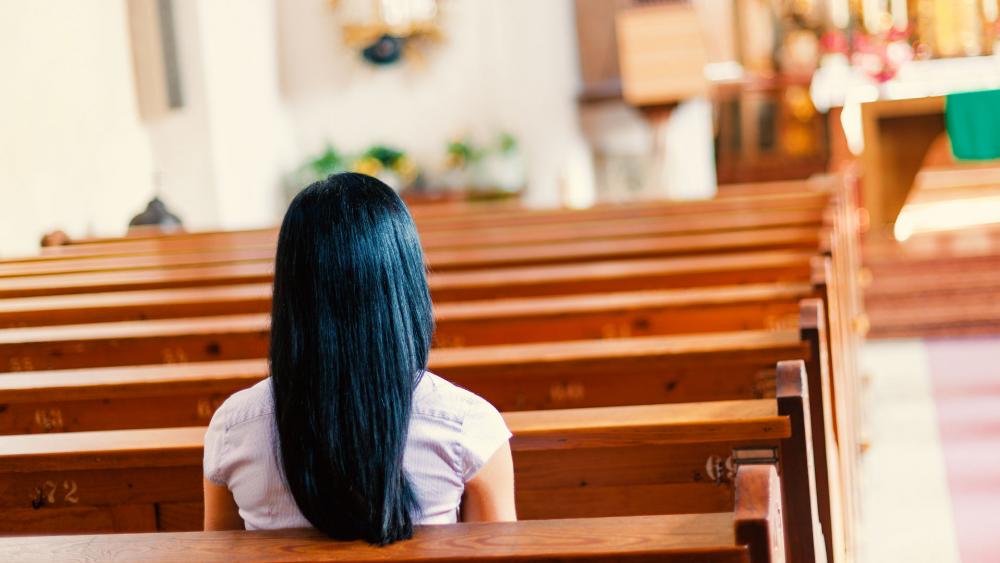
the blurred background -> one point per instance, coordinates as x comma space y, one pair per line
223, 110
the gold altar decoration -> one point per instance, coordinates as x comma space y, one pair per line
937, 28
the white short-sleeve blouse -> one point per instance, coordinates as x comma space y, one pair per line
453, 432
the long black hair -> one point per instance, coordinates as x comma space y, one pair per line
351, 329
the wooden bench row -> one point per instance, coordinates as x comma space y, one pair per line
513, 377
105, 405
233, 337
107, 256
443, 260
688, 216
458, 324
751, 306
550, 375
182, 355
588, 277
606, 365
618, 461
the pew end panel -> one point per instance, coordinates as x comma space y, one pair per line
813, 330
844, 390
805, 541
758, 513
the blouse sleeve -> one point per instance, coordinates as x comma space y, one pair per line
483, 432
212, 464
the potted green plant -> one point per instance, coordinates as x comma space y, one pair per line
502, 170
461, 156
389, 165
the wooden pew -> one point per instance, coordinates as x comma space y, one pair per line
837, 279
204, 339
692, 223
751, 533
513, 377
442, 240
830, 535
646, 459
53, 310
744, 307
470, 323
847, 325
443, 260
537, 376
591, 277
459, 223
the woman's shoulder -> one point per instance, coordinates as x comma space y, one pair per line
250, 404
437, 397
241, 419
474, 423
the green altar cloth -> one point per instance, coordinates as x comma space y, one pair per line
973, 121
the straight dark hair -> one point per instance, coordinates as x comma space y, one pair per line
351, 329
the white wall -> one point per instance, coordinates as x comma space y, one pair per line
217, 156
73, 154
180, 140
244, 115
532, 49
266, 83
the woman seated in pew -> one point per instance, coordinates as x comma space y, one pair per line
350, 434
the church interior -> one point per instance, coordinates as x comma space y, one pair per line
728, 269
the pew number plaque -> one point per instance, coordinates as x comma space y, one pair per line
51, 493
49, 420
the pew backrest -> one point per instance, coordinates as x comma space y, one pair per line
676, 368
584, 458
590, 277
256, 298
458, 324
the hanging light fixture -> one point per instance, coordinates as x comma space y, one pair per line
386, 32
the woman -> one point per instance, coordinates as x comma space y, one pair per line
350, 434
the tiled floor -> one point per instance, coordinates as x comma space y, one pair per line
906, 506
